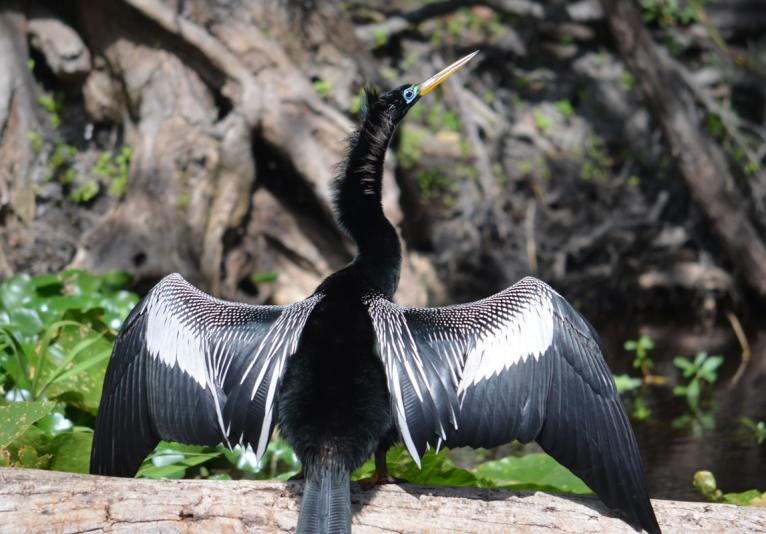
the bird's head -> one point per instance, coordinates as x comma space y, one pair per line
397, 102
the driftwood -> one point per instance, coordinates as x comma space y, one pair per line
46, 501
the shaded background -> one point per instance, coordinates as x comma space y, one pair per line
614, 149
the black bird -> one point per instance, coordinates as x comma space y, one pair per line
347, 372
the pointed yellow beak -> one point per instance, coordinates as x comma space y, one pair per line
434, 81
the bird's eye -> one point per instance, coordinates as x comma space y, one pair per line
409, 95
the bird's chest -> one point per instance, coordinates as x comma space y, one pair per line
334, 385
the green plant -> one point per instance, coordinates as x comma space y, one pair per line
322, 87
408, 150
641, 348
700, 371
714, 126
355, 107
53, 105
56, 335
564, 107
600, 57
597, 163
184, 199
639, 408
631, 387
627, 81
380, 35
758, 429
534, 471
262, 278
60, 163
626, 383
439, 118
113, 170
668, 13
542, 120
704, 482
35, 141
85, 192
174, 460
525, 167
432, 183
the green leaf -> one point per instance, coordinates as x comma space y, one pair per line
704, 482
54, 423
116, 280
625, 383
693, 393
83, 366
437, 469
533, 471
261, 278
17, 417
30, 457
171, 460
16, 291
745, 498
76, 367
81, 282
71, 452
26, 321
47, 283
711, 364
685, 365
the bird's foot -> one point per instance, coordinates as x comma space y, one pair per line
369, 482
388, 479
378, 479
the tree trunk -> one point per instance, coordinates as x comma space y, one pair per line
17, 118
49, 501
701, 162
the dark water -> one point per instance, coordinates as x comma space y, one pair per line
718, 441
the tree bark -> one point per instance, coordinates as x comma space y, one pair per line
48, 501
17, 116
701, 162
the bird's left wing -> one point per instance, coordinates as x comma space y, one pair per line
521, 364
192, 368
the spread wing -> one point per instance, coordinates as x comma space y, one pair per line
191, 368
521, 364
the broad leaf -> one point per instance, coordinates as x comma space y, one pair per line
536, 471
17, 417
71, 451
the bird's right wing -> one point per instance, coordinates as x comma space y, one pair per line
191, 368
521, 364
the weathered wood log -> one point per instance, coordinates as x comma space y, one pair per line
47, 501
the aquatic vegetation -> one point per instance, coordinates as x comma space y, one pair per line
701, 371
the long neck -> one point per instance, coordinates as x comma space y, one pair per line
359, 208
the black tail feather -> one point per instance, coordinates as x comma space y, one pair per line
326, 505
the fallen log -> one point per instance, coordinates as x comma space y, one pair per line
48, 501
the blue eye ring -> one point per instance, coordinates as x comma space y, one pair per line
409, 94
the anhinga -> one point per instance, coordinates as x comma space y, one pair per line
347, 372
